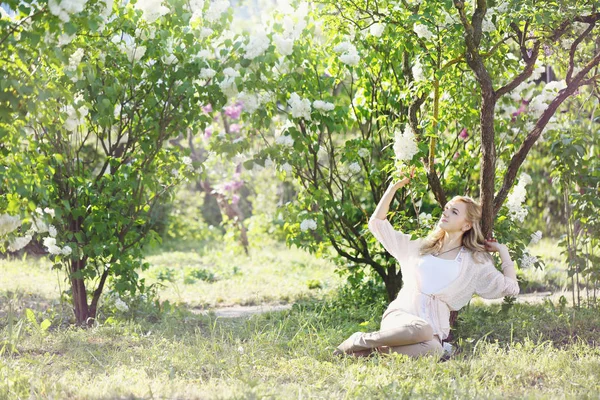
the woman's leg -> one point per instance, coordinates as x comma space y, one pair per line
431, 347
398, 328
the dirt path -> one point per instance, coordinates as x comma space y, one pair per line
246, 311
243, 311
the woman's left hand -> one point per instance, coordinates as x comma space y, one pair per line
493, 246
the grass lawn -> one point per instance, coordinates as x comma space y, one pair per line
528, 351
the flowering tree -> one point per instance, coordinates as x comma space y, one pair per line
454, 90
115, 83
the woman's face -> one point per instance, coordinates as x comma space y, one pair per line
454, 217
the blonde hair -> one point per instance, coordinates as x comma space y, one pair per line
472, 239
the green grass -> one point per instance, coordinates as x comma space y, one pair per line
288, 355
527, 351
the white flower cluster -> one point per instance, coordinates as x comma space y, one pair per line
207, 73
121, 305
364, 153
215, 10
349, 54
285, 140
258, 44
308, 224
516, 198
50, 244
66, 8
528, 260
423, 31
18, 243
535, 237
75, 60
151, 9
539, 103
287, 168
354, 168
126, 43
8, 223
377, 29
228, 85
285, 46
405, 145
426, 219
300, 107
75, 117
323, 106
252, 102
417, 71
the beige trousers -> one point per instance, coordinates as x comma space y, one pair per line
400, 332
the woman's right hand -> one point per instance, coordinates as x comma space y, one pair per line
403, 182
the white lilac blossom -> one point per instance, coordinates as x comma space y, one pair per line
75, 60
121, 305
8, 223
539, 103
426, 219
423, 31
66, 251
66, 8
268, 162
364, 153
258, 44
65, 39
151, 9
323, 106
18, 243
228, 87
516, 198
230, 72
376, 29
169, 59
349, 54
535, 237
75, 117
285, 46
487, 26
215, 10
417, 71
308, 224
252, 102
405, 145
354, 168
52, 231
49, 211
287, 168
50, 244
285, 140
134, 53
528, 260
207, 73
300, 107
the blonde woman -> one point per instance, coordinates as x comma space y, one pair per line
440, 274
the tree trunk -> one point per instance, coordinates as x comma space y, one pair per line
80, 305
393, 284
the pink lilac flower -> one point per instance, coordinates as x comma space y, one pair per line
208, 132
464, 134
456, 155
235, 199
234, 128
207, 108
233, 111
522, 108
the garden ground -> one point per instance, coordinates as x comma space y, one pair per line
543, 350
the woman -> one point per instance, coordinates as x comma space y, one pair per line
440, 274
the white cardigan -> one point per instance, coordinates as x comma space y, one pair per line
474, 278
